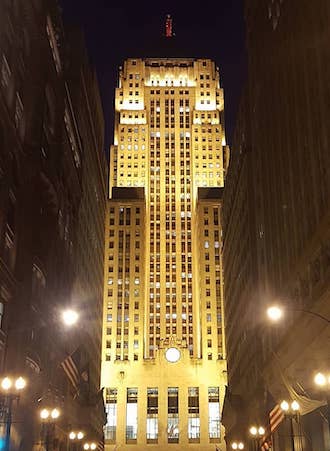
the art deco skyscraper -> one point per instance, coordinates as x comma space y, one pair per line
163, 362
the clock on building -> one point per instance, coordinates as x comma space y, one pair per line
172, 354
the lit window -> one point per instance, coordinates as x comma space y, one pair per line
152, 414
111, 412
173, 415
131, 414
193, 414
214, 412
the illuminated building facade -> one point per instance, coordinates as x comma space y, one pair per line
163, 357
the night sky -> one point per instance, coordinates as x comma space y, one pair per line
114, 33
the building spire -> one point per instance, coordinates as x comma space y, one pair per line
169, 27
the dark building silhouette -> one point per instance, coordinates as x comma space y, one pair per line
52, 203
276, 227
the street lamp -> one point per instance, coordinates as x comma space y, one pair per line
290, 408
90, 445
275, 313
70, 317
74, 437
11, 389
237, 445
49, 417
256, 433
291, 411
323, 381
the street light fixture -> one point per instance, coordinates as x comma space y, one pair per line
237, 445
49, 417
46, 413
276, 312
11, 389
291, 411
293, 407
256, 433
75, 436
70, 317
322, 380
91, 445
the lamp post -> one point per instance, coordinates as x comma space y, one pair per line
11, 389
256, 433
323, 381
49, 417
237, 445
75, 437
90, 445
275, 313
291, 411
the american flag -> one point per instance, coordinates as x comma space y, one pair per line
276, 416
70, 366
100, 445
266, 441
265, 446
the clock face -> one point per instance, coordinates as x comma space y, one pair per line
172, 355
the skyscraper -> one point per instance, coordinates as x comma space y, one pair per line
163, 358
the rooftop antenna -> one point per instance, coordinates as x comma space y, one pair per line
169, 27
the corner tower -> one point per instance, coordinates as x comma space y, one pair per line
163, 359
